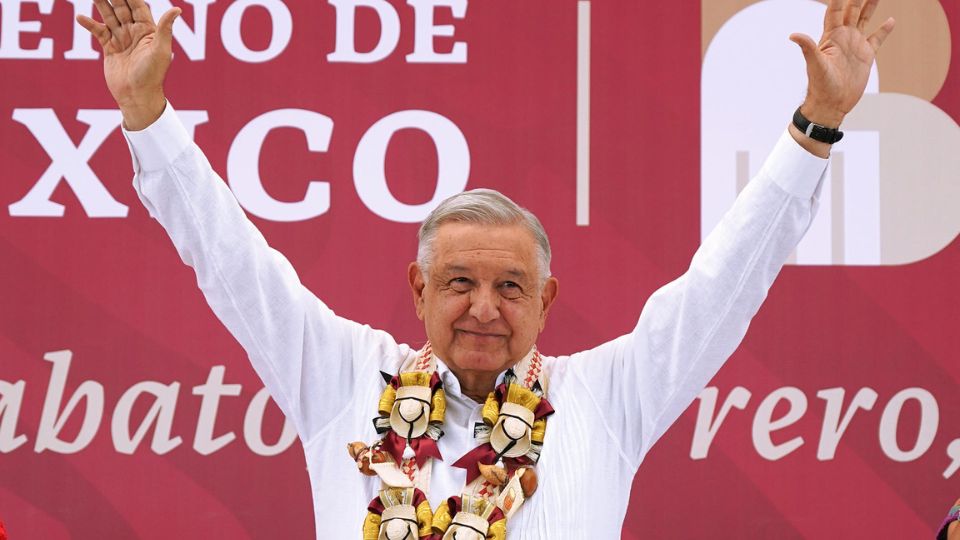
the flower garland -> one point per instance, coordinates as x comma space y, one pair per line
500, 470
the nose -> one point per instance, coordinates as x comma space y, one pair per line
485, 305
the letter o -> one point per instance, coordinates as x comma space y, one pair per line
279, 38
369, 163
929, 421
253, 424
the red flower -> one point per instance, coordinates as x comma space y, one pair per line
3, 532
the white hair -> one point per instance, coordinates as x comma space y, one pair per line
482, 207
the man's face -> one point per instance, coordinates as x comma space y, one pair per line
482, 304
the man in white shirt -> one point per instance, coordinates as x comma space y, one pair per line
548, 444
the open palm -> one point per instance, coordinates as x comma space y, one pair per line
137, 53
839, 66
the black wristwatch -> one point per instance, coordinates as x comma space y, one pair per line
816, 131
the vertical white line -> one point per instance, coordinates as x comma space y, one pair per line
583, 112
838, 203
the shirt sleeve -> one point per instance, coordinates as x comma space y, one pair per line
643, 381
297, 345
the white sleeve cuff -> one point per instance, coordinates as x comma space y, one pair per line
793, 168
154, 147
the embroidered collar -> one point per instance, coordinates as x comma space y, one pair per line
452, 384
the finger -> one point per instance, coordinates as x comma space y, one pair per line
165, 26
809, 48
878, 37
109, 17
868, 10
140, 10
834, 16
851, 14
98, 29
122, 10
807, 45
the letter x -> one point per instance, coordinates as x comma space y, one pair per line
68, 162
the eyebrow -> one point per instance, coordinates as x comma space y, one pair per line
513, 272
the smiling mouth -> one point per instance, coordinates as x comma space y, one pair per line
481, 334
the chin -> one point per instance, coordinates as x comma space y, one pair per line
481, 361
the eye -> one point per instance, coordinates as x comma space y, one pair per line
510, 289
460, 284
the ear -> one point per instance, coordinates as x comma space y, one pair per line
547, 295
415, 276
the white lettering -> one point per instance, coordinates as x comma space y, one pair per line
68, 162
425, 31
833, 427
253, 424
11, 26
953, 452
127, 438
345, 48
929, 420
369, 164
243, 165
52, 422
764, 425
192, 119
160, 414
11, 398
193, 42
203, 440
82, 41
280, 18
705, 430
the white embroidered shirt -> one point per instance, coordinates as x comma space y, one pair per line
613, 402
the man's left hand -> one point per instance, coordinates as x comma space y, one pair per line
839, 66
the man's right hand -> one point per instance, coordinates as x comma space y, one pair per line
137, 54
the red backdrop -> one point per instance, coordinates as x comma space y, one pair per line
112, 291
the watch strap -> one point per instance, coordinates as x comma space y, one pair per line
816, 131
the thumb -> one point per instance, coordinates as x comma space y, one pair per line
165, 25
806, 43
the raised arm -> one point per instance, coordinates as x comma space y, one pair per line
296, 344
691, 326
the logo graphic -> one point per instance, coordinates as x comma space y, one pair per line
892, 193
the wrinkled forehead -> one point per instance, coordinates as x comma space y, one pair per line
461, 236
508, 250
